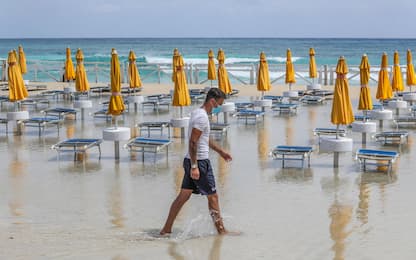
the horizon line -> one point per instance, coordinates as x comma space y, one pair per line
113, 37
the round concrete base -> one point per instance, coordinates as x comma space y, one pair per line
179, 122
364, 127
332, 144
397, 104
135, 99
409, 97
382, 114
228, 107
313, 87
116, 134
18, 115
290, 94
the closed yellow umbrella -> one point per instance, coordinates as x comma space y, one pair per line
116, 106
69, 66
181, 95
17, 89
174, 60
223, 80
365, 102
312, 64
81, 80
290, 70
384, 90
397, 81
212, 75
263, 78
341, 113
135, 81
410, 71
22, 60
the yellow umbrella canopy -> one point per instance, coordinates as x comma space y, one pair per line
397, 81
365, 102
81, 80
223, 80
410, 72
69, 66
212, 75
22, 60
135, 81
312, 64
17, 89
384, 90
341, 113
180, 93
290, 69
263, 78
116, 105
174, 60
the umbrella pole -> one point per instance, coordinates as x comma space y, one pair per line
336, 134
181, 112
211, 83
115, 122
290, 86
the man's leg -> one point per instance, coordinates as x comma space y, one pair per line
176, 206
214, 209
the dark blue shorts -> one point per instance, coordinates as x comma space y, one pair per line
206, 183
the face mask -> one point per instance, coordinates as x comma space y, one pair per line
216, 110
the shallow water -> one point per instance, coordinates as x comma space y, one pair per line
104, 209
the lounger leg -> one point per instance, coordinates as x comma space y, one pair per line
283, 161
99, 152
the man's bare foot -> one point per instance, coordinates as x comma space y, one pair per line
165, 233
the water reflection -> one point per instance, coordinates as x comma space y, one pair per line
70, 130
115, 201
289, 131
17, 175
340, 212
190, 249
223, 169
262, 144
295, 175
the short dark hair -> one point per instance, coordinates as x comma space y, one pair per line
215, 93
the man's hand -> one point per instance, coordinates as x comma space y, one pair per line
226, 156
195, 173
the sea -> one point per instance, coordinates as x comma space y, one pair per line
45, 57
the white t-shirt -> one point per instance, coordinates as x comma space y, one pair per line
199, 120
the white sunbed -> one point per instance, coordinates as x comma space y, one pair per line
288, 152
379, 158
148, 145
77, 146
392, 137
154, 126
249, 115
42, 122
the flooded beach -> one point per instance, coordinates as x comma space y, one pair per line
102, 208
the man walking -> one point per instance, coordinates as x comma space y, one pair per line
199, 178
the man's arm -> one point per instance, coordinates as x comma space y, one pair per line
193, 148
226, 156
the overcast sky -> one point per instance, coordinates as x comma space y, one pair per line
210, 18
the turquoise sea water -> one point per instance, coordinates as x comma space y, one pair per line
51, 52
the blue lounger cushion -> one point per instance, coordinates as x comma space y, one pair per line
43, 119
250, 112
151, 141
377, 153
289, 148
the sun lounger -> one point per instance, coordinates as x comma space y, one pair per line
6, 123
275, 99
77, 146
156, 104
285, 108
312, 99
328, 131
35, 102
249, 115
405, 121
154, 126
219, 129
60, 112
392, 137
378, 158
323, 93
196, 96
243, 105
290, 153
100, 90
42, 122
148, 145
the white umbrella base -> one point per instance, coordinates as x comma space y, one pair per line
333, 144
364, 127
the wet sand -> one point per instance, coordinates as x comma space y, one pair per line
104, 209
